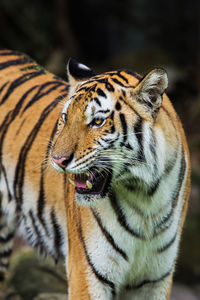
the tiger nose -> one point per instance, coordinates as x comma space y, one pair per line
62, 161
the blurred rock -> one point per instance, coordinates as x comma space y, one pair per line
181, 292
51, 296
9, 294
30, 276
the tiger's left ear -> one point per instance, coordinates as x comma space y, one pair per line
77, 73
150, 90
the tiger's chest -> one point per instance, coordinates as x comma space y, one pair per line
128, 247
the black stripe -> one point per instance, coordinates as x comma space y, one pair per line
5, 239
112, 115
97, 101
112, 129
152, 147
101, 80
65, 89
2, 168
3, 130
9, 118
137, 286
175, 195
15, 62
169, 166
124, 94
98, 142
57, 234
41, 198
19, 81
20, 126
98, 275
108, 140
6, 253
163, 224
180, 180
121, 217
101, 93
118, 82
118, 106
39, 93
103, 111
6, 52
37, 232
133, 73
31, 67
108, 236
86, 88
128, 146
11, 115
41, 205
29, 229
122, 77
138, 130
111, 73
3, 86
153, 188
124, 127
167, 245
108, 86
132, 185
20, 168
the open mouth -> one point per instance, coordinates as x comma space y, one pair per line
94, 181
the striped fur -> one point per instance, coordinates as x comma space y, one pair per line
122, 239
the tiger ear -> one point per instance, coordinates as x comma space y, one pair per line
77, 73
150, 89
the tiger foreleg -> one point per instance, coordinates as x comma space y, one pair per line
155, 291
7, 230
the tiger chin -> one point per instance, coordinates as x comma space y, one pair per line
115, 212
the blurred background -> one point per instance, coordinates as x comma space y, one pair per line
107, 35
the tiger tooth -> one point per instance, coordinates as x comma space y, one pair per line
72, 181
89, 185
88, 174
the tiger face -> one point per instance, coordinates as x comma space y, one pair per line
99, 130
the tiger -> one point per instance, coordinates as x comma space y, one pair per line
94, 171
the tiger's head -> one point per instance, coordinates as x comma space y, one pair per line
100, 128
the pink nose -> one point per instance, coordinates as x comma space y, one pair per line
62, 161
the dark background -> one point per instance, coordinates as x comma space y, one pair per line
135, 34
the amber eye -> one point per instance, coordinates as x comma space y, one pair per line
97, 122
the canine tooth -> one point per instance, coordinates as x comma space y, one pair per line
89, 185
72, 181
88, 174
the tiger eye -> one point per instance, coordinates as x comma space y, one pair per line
98, 121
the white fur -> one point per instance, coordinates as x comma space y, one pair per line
82, 66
